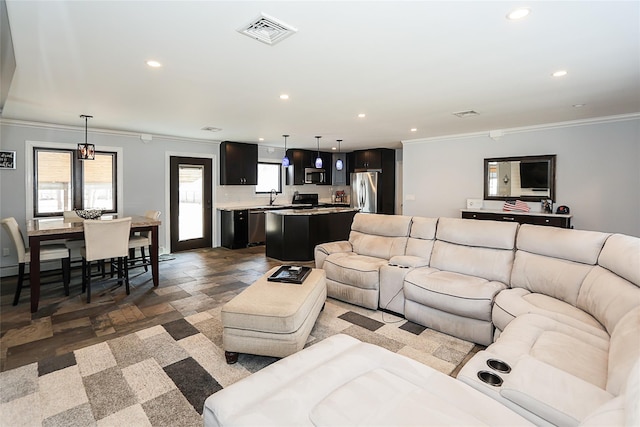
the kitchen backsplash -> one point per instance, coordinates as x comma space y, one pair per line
240, 195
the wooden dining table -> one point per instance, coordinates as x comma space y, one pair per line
43, 229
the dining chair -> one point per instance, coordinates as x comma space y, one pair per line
105, 240
141, 240
48, 252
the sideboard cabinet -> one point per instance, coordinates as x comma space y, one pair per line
535, 218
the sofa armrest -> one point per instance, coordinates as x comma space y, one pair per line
551, 393
408, 261
323, 250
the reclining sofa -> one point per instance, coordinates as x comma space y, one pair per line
559, 309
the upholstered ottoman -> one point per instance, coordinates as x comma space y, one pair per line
272, 318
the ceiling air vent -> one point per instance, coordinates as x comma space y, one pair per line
267, 29
463, 114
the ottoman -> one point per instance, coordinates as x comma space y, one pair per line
272, 318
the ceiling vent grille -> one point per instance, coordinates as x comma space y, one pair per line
267, 29
469, 113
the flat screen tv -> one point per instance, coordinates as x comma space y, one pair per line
534, 175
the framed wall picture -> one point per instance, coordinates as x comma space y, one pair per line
7, 159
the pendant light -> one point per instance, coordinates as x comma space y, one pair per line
339, 164
285, 159
86, 151
318, 159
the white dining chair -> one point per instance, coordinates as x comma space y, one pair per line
48, 252
105, 240
141, 240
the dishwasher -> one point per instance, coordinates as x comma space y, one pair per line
256, 227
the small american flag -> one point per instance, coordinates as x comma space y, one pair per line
515, 205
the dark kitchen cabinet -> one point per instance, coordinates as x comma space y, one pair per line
367, 159
301, 159
234, 225
238, 163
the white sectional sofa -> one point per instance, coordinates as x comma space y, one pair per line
561, 308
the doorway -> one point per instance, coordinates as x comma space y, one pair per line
190, 194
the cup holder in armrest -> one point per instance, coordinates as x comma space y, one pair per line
499, 365
490, 378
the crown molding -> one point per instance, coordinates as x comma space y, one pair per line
534, 128
111, 132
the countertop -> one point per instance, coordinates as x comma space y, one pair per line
315, 211
276, 207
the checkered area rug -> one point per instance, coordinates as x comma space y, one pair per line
162, 375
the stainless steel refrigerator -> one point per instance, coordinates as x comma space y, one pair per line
364, 191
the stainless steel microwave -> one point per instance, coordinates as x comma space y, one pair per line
314, 176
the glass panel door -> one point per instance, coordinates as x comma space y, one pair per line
190, 199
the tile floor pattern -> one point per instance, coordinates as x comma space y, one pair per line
153, 357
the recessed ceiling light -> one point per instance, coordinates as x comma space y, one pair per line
518, 13
414, 129
334, 148
284, 96
361, 115
560, 73
154, 64
579, 105
260, 139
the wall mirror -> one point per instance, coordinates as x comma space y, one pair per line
531, 178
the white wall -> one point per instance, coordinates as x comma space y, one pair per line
144, 171
597, 171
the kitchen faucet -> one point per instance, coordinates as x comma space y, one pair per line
272, 196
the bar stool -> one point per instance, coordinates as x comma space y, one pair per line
105, 240
47, 253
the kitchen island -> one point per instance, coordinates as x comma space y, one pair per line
292, 234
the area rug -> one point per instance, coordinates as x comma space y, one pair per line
162, 375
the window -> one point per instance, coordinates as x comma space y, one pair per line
269, 177
64, 183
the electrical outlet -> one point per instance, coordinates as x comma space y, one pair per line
6, 252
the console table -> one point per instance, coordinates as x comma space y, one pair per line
535, 218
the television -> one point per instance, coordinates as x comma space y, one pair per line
534, 175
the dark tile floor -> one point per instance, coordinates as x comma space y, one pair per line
63, 324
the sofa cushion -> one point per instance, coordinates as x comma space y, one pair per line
624, 350
380, 397
515, 302
533, 334
459, 294
573, 356
356, 270
558, 397
607, 296
620, 255
421, 237
486, 263
380, 236
470, 232
555, 277
573, 245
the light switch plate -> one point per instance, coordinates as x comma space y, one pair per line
474, 203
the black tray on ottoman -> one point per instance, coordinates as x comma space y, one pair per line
290, 274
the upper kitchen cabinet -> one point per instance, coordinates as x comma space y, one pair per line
367, 159
298, 160
376, 158
238, 163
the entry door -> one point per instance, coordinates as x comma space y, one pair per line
190, 200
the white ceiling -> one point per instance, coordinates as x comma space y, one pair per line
408, 64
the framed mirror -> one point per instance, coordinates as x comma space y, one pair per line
527, 178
